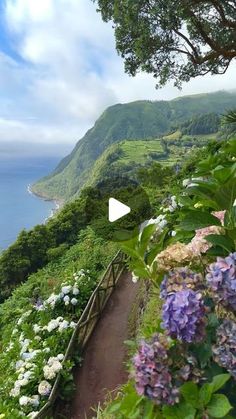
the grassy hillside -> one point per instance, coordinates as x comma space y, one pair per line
132, 121
127, 157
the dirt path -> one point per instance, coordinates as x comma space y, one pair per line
103, 365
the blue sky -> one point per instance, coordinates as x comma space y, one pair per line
59, 70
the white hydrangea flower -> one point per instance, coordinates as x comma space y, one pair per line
52, 300
49, 373
28, 375
52, 325
37, 328
173, 233
44, 388
73, 325
75, 291
24, 400
60, 357
74, 301
66, 289
34, 400
63, 325
19, 364
15, 392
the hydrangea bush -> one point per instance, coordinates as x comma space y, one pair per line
38, 343
191, 263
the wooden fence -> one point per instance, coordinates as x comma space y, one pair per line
88, 320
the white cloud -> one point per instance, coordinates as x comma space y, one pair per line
70, 72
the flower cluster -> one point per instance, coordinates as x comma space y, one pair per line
36, 339
52, 367
152, 373
221, 278
183, 315
174, 255
224, 350
179, 279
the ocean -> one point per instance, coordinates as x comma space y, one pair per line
18, 208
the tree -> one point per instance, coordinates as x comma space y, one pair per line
173, 39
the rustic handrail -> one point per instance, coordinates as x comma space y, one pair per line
88, 319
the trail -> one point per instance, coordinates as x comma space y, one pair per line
103, 366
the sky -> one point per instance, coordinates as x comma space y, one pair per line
59, 70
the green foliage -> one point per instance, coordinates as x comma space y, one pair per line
203, 124
155, 37
139, 120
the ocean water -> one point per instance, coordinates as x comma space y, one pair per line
18, 208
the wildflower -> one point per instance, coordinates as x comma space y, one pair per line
44, 388
152, 373
184, 316
221, 279
224, 351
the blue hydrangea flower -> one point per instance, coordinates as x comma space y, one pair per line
224, 351
183, 315
179, 279
152, 373
221, 279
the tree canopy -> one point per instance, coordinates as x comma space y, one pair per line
172, 39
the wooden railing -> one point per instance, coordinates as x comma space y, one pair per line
88, 320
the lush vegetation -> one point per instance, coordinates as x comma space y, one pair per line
36, 324
173, 40
184, 366
131, 121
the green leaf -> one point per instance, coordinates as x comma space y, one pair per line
190, 393
219, 406
195, 220
219, 381
130, 252
181, 411
222, 174
145, 238
221, 241
205, 394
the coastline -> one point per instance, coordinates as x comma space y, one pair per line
58, 204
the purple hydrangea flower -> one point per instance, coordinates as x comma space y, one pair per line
183, 316
224, 351
152, 373
221, 279
179, 279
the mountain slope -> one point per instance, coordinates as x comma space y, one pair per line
131, 121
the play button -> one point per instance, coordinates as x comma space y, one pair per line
117, 210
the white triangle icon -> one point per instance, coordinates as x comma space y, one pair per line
117, 210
